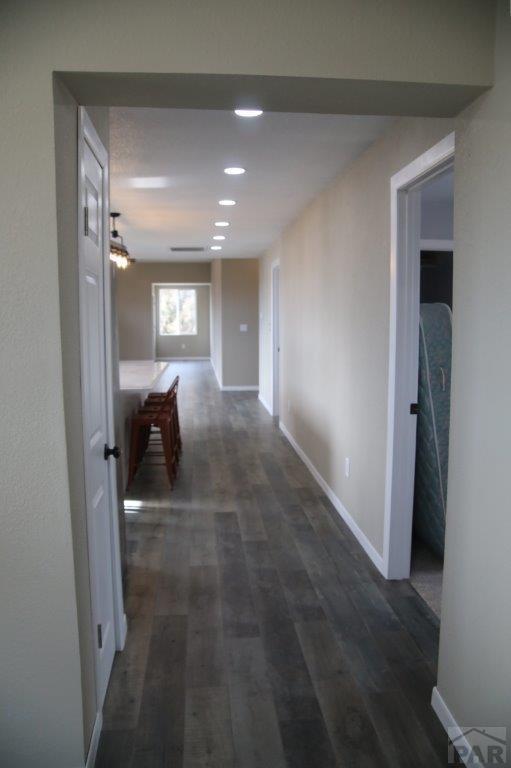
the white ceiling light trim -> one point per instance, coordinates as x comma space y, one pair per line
248, 112
227, 202
216, 248
221, 224
234, 170
218, 237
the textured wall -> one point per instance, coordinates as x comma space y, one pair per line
474, 674
334, 278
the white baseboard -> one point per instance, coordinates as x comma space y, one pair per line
179, 359
94, 742
124, 632
251, 388
350, 522
263, 402
219, 380
446, 717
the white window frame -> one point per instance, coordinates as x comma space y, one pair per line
174, 287
154, 299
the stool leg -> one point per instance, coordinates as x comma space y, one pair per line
166, 439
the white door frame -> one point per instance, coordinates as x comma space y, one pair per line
87, 134
275, 410
404, 352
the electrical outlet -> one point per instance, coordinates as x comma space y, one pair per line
183, 346
347, 466
243, 328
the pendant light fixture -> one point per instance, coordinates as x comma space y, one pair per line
119, 254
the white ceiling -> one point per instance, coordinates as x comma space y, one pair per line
288, 158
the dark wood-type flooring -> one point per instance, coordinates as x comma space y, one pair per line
260, 635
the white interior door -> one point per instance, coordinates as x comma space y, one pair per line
94, 398
276, 339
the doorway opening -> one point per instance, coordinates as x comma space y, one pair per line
434, 387
419, 370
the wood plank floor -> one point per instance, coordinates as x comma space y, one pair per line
260, 635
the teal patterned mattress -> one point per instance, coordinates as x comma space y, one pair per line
434, 398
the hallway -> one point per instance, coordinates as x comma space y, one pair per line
259, 632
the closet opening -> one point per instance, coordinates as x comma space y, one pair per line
433, 387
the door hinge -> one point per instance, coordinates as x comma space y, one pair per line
414, 409
100, 637
85, 221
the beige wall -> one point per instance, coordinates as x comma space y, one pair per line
444, 43
216, 318
335, 306
240, 301
475, 640
135, 308
334, 277
235, 301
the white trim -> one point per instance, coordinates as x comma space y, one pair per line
217, 377
341, 509
243, 388
263, 402
436, 245
403, 352
274, 265
446, 717
94, 742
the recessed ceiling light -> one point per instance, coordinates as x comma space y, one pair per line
218, 237
235, 170
221, 223
216, 247
248, 112
227, 202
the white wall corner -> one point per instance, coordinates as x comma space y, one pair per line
94, 742
360, 536
446, 717
218, 378
263, 402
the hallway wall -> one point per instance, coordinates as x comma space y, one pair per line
235, 301
334, 276
474, 676
135, 307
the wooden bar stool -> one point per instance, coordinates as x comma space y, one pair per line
161, 419
155, 399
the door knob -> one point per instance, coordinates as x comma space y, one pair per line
115, 452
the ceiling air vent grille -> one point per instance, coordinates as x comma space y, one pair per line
187, 249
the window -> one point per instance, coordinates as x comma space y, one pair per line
177, 311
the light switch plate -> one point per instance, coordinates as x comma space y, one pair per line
243, 328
